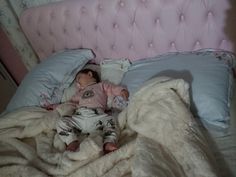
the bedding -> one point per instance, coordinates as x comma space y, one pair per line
159, 137
45, 84
208, 72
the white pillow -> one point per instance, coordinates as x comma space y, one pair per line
45, 83
113, 70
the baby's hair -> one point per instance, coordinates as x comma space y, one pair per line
94, 73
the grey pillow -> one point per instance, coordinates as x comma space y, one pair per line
45, 83
208, 72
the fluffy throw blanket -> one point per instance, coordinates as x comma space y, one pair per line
159, 138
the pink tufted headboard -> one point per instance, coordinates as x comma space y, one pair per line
132, 29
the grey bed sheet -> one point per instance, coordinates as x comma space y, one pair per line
224, 145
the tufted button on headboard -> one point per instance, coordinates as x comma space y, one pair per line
127, 28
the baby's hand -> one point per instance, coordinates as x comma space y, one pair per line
125, 94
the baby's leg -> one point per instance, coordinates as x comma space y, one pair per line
110, 134
68, 130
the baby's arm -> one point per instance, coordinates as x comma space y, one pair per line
115, 90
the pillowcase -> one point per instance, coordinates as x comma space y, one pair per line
45, 83
209, 74
112, 70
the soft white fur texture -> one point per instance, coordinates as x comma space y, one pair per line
159, 138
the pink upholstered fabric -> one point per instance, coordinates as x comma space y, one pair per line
132, 29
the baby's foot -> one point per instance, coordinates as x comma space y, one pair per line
109, 147
73, 146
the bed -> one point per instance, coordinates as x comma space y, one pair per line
175, 59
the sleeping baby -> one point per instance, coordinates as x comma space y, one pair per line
90, 105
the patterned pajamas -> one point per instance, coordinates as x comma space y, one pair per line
86, 121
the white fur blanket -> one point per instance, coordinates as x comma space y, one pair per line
159, 138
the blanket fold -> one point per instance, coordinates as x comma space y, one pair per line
159, 137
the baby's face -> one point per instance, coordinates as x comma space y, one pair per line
84, 79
